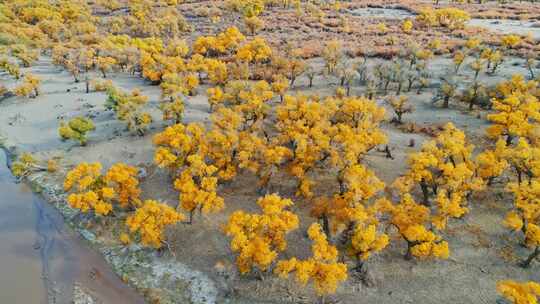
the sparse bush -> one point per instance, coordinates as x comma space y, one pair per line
407, 26
105, 65
450, 17
76, 129
401, 106
446, 91
510, 41
332, 54
11, 68
25, 164
29, 87
254, 24
531, 66
128, 108
26, 56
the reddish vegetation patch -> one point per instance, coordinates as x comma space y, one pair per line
361, 35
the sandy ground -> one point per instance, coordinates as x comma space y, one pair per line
482, 251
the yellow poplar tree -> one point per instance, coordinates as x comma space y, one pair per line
280, 85
29, 87
224, 43
254, 24
215, 97
517, 109
11, 68
366, 241
184, 150
76, 129
197, 185
523, 158
492, 163
519, 293
407, 26
443, 163
256, 50
411, 219
92, 191
322, 268
150, 221
128, 108
525, 215
259, 238
217, 71
305, 124
105, 65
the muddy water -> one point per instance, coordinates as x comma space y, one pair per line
40, 260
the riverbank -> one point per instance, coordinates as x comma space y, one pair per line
46, 255
157, 278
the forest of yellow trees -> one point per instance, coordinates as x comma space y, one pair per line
290, 151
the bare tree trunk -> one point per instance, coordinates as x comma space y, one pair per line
326, 225
408, 255
528, 261
425, 193
446, 102
509, 139
409, 87
387, 151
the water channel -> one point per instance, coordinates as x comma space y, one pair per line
42, 260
